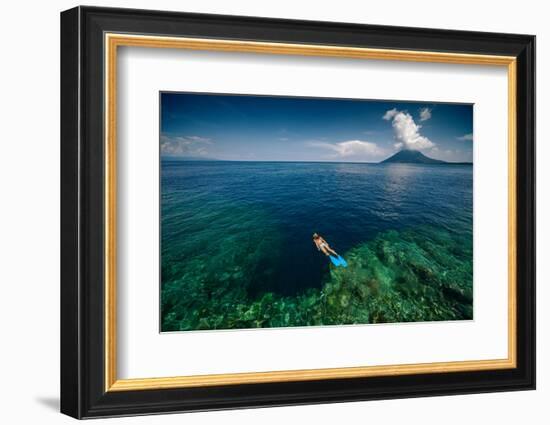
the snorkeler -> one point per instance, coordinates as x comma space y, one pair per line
322, 245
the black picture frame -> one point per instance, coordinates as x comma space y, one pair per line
83, 392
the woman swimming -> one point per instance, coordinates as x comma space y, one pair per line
322, 245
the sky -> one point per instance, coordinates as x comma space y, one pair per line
275, 128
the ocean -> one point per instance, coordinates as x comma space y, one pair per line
237, 249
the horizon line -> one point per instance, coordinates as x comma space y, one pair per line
199, 159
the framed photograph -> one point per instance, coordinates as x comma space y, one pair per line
261, 212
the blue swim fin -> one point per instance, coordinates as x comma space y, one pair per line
342, 262
334, 260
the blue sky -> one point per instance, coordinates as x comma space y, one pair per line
273, 128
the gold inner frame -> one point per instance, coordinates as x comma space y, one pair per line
113, 41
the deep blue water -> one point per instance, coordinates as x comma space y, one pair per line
261, 215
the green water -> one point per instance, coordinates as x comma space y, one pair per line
420, 274
404, 276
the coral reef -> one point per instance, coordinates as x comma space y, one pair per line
419, 274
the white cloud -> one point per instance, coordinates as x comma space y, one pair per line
199, 139
184, 145
406, 131
353, 149
425, 114
466, 138
388, 116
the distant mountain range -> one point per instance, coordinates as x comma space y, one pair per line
407, 156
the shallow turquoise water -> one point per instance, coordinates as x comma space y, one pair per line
236, 248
